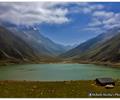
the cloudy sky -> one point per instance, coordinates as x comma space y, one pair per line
65, 23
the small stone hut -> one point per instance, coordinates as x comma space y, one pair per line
105, 81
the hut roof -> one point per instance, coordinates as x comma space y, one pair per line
105, 80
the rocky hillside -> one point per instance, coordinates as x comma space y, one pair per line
104, 47
16, 49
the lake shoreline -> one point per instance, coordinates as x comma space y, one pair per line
107, 64
54, 89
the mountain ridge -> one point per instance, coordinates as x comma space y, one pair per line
98, 49
91, 43
15, 49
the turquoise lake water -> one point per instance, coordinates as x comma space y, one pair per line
57, 72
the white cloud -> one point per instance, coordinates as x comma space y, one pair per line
87, 8
93, 29
104, 20
103, 14
56, 13
43, 12
33, 12
95, 22
97, 6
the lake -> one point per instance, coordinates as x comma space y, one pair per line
57, 72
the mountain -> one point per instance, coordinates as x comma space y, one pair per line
40, 43
27, 44
12, 47
33, 37
15, 49
92, 47
108, 51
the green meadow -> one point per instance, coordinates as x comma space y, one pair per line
56, 89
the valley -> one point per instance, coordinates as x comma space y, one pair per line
32, 47
59, 49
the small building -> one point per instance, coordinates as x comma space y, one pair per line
105, 81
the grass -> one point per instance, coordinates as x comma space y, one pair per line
58, 89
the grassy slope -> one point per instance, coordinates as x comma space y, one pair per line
66, 89
107, 53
